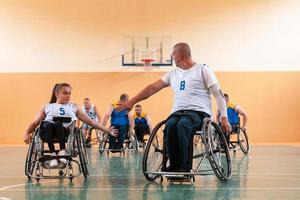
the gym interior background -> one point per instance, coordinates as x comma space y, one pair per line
252, 45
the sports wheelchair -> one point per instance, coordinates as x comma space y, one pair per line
92, 141
241, 139
38, 158
130, 143
208, 147
144, 131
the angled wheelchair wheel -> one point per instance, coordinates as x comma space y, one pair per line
243, 141
85, 152
153, 154
82, 141
31, 158
219, 156
81, 153
103, 143
134, 144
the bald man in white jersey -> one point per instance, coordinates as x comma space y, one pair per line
193, 85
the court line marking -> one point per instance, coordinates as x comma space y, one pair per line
4, 198
277, 175
149, 189
11, 186
8, 187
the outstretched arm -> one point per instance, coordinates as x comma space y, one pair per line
142, 95
107, 115
32, 126
85, 118
242, 112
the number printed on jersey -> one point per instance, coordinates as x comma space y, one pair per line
62, 111
182, 85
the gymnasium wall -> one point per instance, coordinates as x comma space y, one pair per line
81, 36
273, 105
251, 44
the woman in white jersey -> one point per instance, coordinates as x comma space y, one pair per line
50, 130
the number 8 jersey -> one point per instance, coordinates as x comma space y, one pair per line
60, 110
191, 87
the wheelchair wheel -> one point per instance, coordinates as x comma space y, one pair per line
102, 143
134, 144
81, 153
82, 141
30, 158
219, 156
153, 154
243, 141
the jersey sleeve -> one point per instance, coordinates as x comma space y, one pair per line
74, 107
166, 78
46, 108
209, 76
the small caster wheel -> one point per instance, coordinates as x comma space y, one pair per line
161, 179
193, 179
38, 178
61, 173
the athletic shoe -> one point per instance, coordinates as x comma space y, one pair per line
53, 163
62, 153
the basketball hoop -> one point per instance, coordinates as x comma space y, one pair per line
148, 61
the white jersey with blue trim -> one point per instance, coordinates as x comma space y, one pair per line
191, 88
60, 110
91, 112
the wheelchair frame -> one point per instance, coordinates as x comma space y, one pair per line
104, 141
211, 153
90, 131
36, 158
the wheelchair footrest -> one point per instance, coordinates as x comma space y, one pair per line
178, 178
60, 165
49, 157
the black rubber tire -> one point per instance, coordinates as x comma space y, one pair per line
152, 138
82, 140
31, 156
222, 175
244, 143
82, 158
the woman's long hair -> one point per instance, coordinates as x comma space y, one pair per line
53, 96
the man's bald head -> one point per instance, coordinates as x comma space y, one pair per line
183, 49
